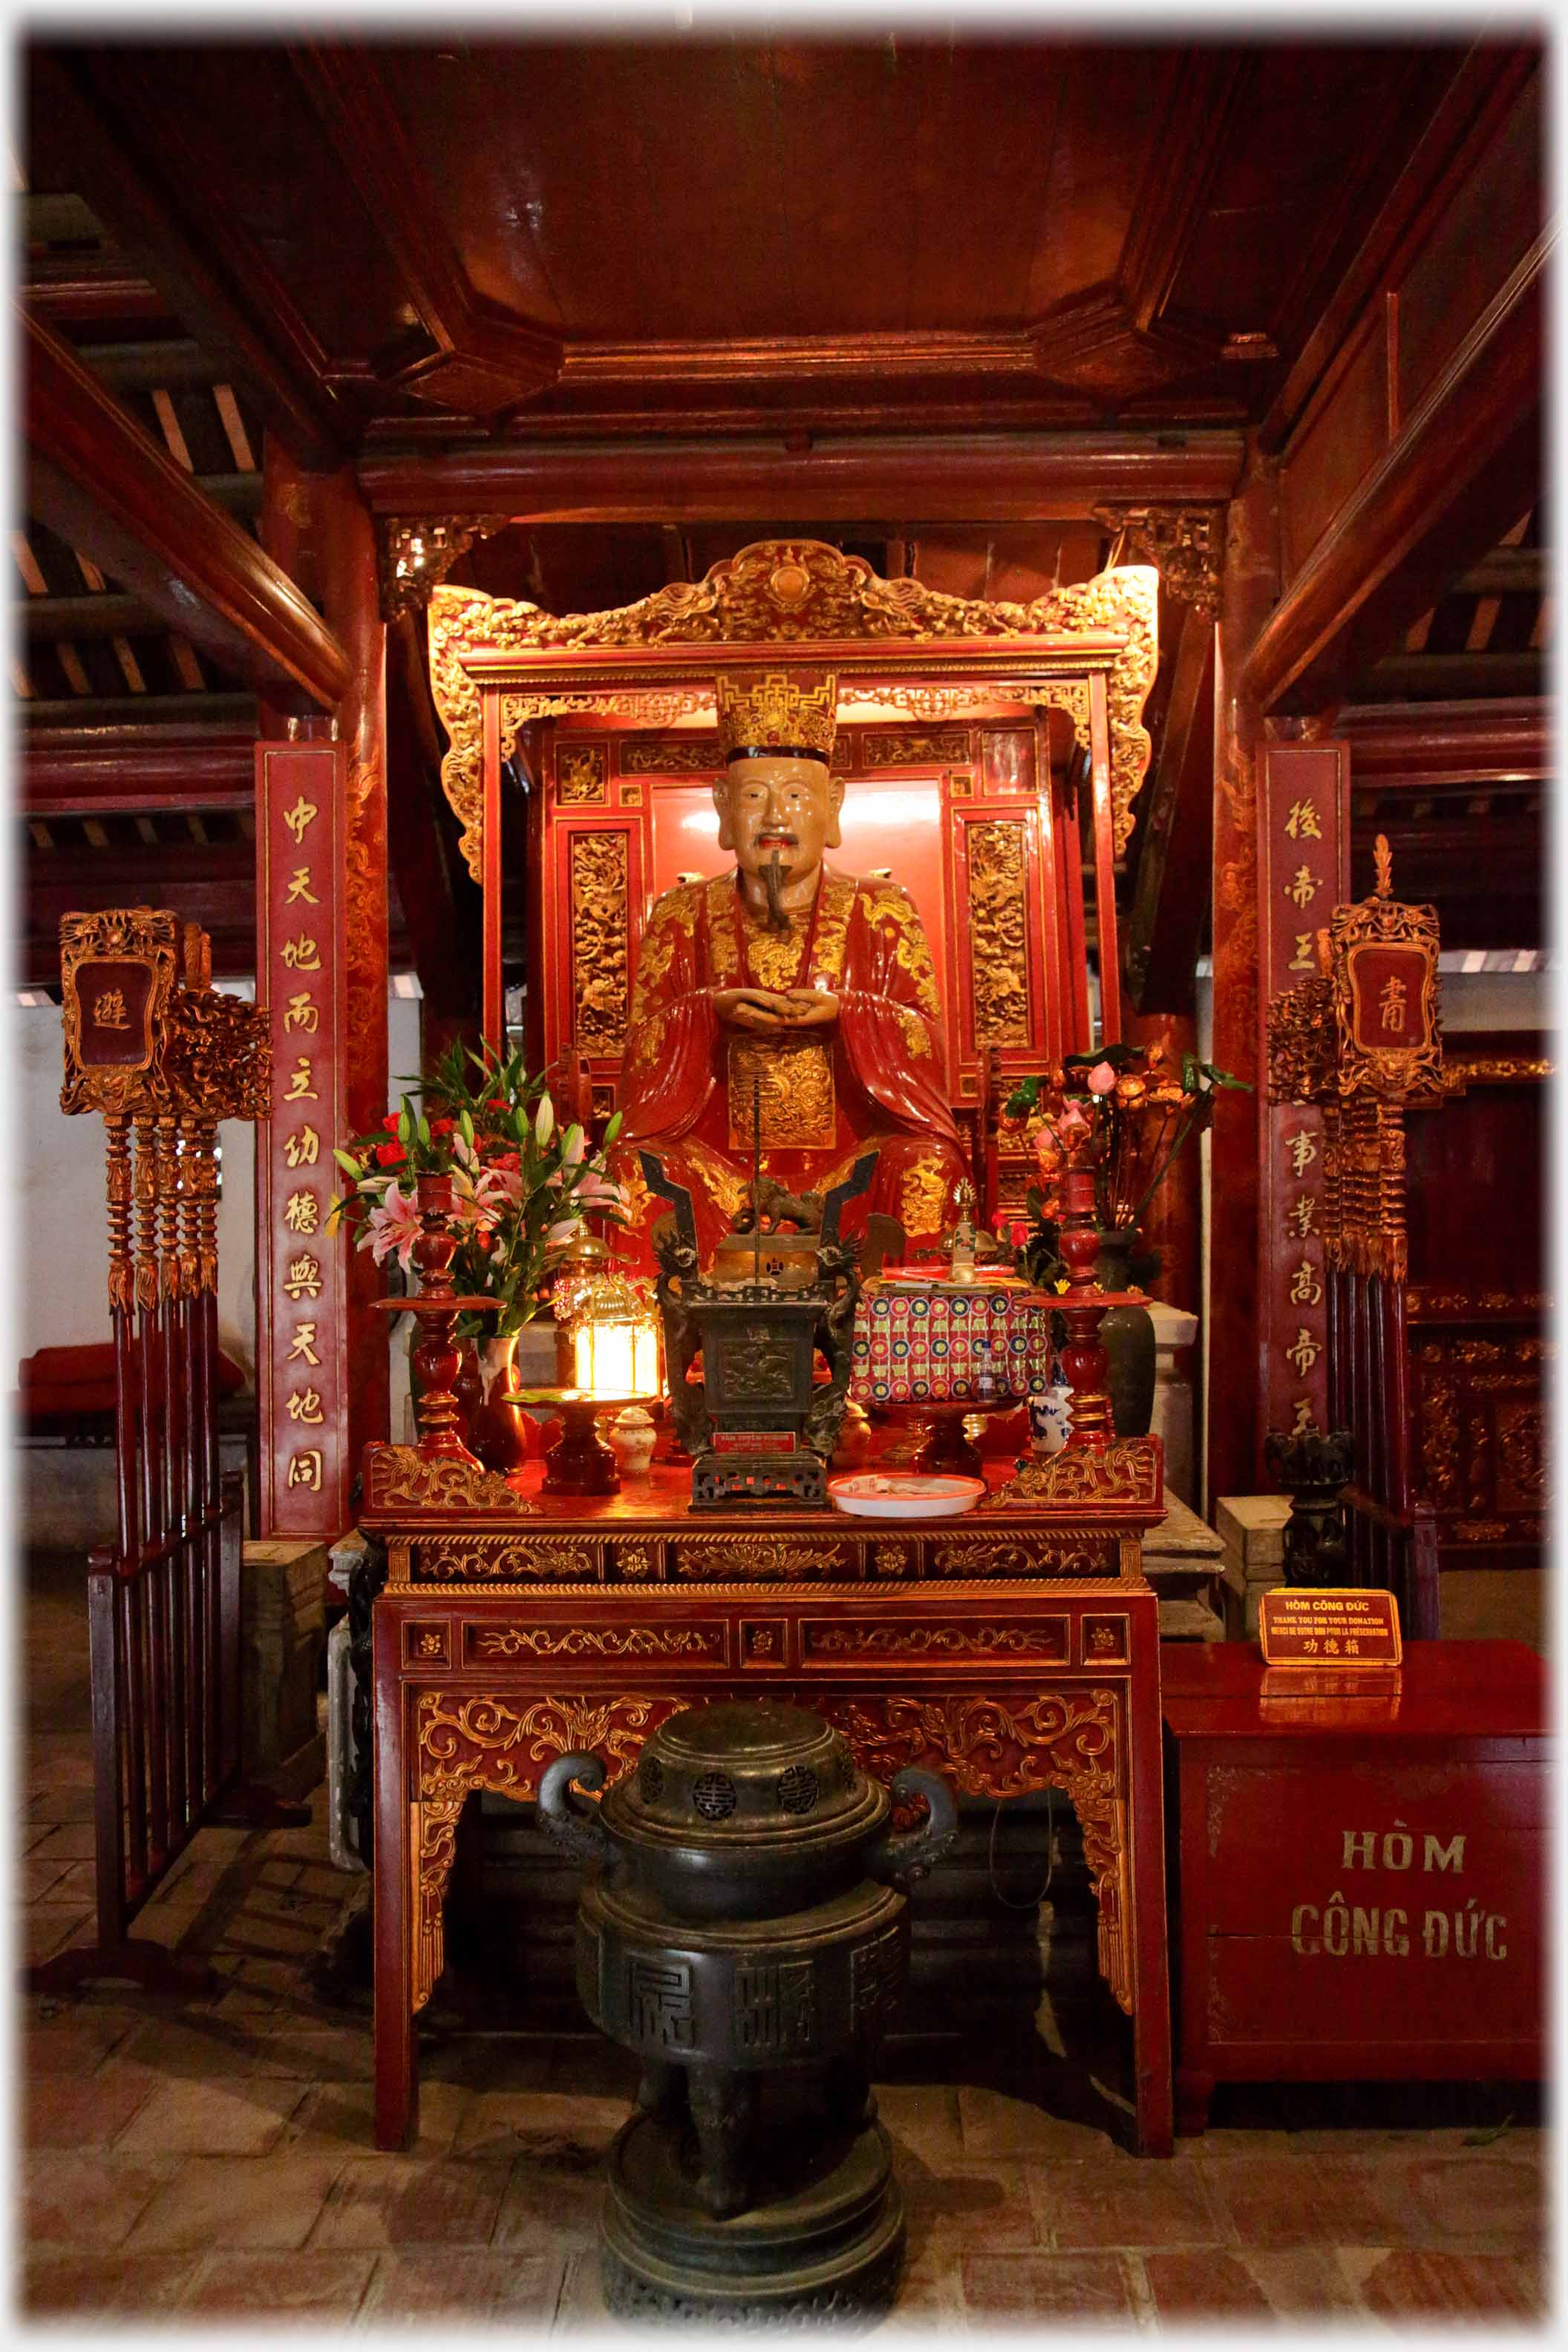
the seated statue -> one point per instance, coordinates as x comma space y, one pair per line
787, 985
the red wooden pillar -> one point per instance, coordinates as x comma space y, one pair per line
318, 528
1251, 585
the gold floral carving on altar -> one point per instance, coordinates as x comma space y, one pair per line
1521, 1463
1494, 1069
1186, 544
600, 941
672, 755
401, 1478
580, 775
464, 1744
782, 592
1129, 1472
1046, 1640
463, 1559
792, 1078
1030, 1557
915, 749
1068, 1740
725, 1558
602, 1642
998, 930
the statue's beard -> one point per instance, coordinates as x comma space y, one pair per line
774, 876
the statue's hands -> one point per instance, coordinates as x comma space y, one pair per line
764, 1011
812, 1008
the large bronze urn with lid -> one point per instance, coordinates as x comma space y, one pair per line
746, 1933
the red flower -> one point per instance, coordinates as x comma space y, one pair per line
442, 1126
389, 1124
498, 1104
505, 1160
390, 1155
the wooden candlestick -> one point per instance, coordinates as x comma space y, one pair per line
1082, 1305
436, 1358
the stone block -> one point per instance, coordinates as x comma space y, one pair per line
282, 1645
1183, 1560
1252, 1531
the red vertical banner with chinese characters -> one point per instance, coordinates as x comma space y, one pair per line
1303, 873
300, 1270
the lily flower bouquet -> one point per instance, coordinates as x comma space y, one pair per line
519, 1185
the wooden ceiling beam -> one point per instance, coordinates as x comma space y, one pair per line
1465, 463
1506, 572
1162, 933
95, 477
464, 353
169, 363
116, 711
1489, 83
1504, 741
137, 770
136, 172
51, 620
1173, 196
1006, 478
1458, 677
88, 289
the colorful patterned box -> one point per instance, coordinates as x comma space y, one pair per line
917, 1342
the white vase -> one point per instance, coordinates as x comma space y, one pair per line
1050, 1417
631, 1441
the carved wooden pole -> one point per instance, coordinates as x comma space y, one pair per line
1251, 585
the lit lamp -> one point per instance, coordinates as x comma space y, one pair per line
615, 1351
608, 1327
608, 1353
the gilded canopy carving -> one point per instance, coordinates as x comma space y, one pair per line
801, 592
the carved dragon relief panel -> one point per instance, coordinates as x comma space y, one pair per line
601, 981
998, 930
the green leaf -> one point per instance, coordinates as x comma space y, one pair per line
1485, 2139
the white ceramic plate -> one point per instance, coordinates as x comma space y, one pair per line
903, 1494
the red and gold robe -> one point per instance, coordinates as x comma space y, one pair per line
873, 1076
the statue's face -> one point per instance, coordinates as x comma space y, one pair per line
776, 804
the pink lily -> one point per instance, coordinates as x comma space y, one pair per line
596, 1191
394, 1226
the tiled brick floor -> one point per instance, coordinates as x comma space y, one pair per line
213, 2161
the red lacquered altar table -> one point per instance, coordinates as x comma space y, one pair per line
1013, 1649
1358, 1880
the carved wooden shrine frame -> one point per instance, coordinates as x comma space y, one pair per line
906, 650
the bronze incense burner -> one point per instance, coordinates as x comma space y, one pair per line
784, 1288
745, 1932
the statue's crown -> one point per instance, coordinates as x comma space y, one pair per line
770, 710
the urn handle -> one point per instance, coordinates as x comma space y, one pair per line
912, 1854
572, 1823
